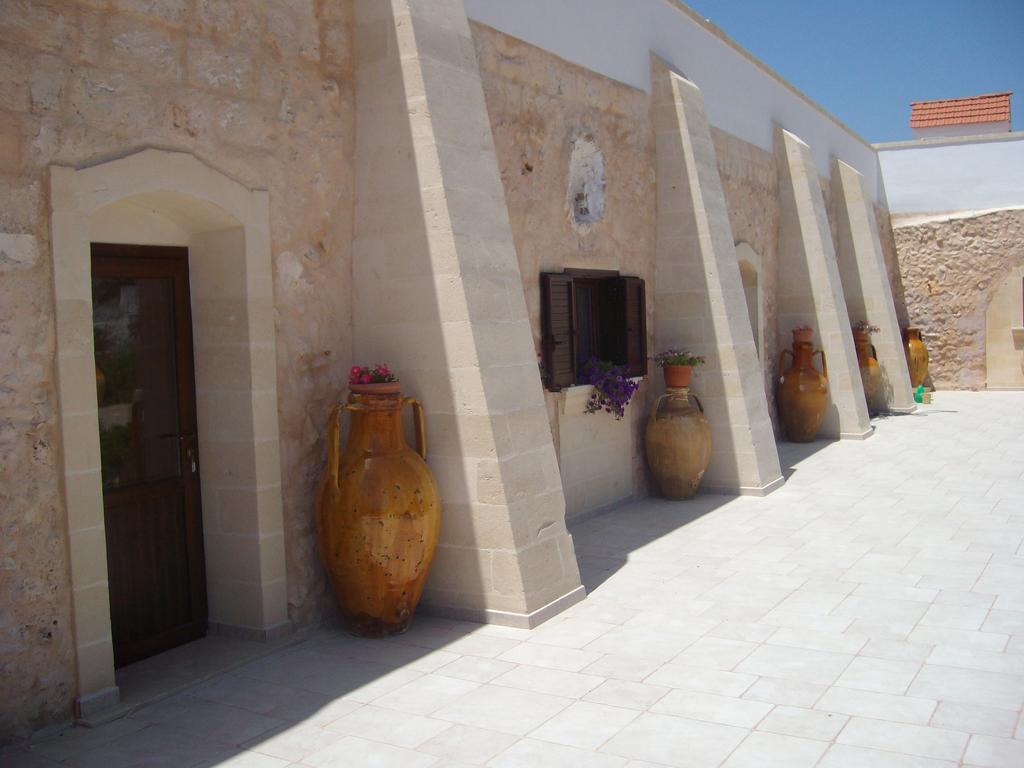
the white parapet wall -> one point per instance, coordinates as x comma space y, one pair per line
967, 173
742, 95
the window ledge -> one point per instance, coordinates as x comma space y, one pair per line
574, 399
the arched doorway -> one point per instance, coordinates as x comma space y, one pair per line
750, 270
1004, 334
164, 198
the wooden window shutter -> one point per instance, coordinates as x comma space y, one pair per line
636, 326
558, 329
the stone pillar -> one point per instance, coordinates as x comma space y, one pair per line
700, 302
865, 281
810, 290
439, 297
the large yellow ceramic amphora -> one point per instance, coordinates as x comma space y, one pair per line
678, 443
378, 514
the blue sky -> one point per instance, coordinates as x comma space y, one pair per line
866, 60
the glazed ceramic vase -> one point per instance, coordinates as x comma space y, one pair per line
803, 393
678, 443
870, 372
378, 513
917, 356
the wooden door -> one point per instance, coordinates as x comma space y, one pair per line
142, 328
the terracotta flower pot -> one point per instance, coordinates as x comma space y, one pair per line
677, 375
678, 443
803, 393
917, 356
380, 388
378, 514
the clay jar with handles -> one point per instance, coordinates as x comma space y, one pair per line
803, 393
678, 443
870, 371
378, 514
917, 356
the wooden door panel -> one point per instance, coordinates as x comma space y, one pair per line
147, 416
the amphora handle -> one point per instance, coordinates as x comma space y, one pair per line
333, 438
824, 365
689, 395
782, 360
421, 429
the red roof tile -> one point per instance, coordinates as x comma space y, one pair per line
986, 108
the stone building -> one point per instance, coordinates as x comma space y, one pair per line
957, 212
319, 183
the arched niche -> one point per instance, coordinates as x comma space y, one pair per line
753, 291
1004, 334
157, 197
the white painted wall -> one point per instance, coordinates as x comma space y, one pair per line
742, 96
966, 174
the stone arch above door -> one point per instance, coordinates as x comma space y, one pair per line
172, 198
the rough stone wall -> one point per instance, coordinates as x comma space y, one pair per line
538, 104
261, 91
950, 268
751, 185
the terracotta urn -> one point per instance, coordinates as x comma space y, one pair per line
677, 375
803, 393
917, 356
678, 443
377, 513
870, 372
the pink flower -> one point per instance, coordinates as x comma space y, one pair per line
365, 378
355, 370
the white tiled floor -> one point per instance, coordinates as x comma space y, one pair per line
870, 614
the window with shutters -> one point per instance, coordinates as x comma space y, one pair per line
591, 314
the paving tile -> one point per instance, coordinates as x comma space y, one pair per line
475, 668
715, 653
955, 616
697, 679
388, 726
882, 706
1004, 622
425, 694
463, 743
355, 751
1009, 663
625, 693
845, 756
675, 741
961, 638
294, 742
795, 664
554, 681
896, 650
623, 667
771, 750
568, 659
880, 675
936, 743
508, 710
570, 633
207, 720
712, 708
968, 686
995, 752
817, 641
642, 642
788, 692
974, 718
585, 725
529, 753
74, 740
804, 723
880, 610
155, 745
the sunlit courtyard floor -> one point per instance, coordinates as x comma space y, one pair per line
869, 614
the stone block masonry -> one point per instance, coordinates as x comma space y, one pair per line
699, 301
865, 282
810, 289
439, 295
